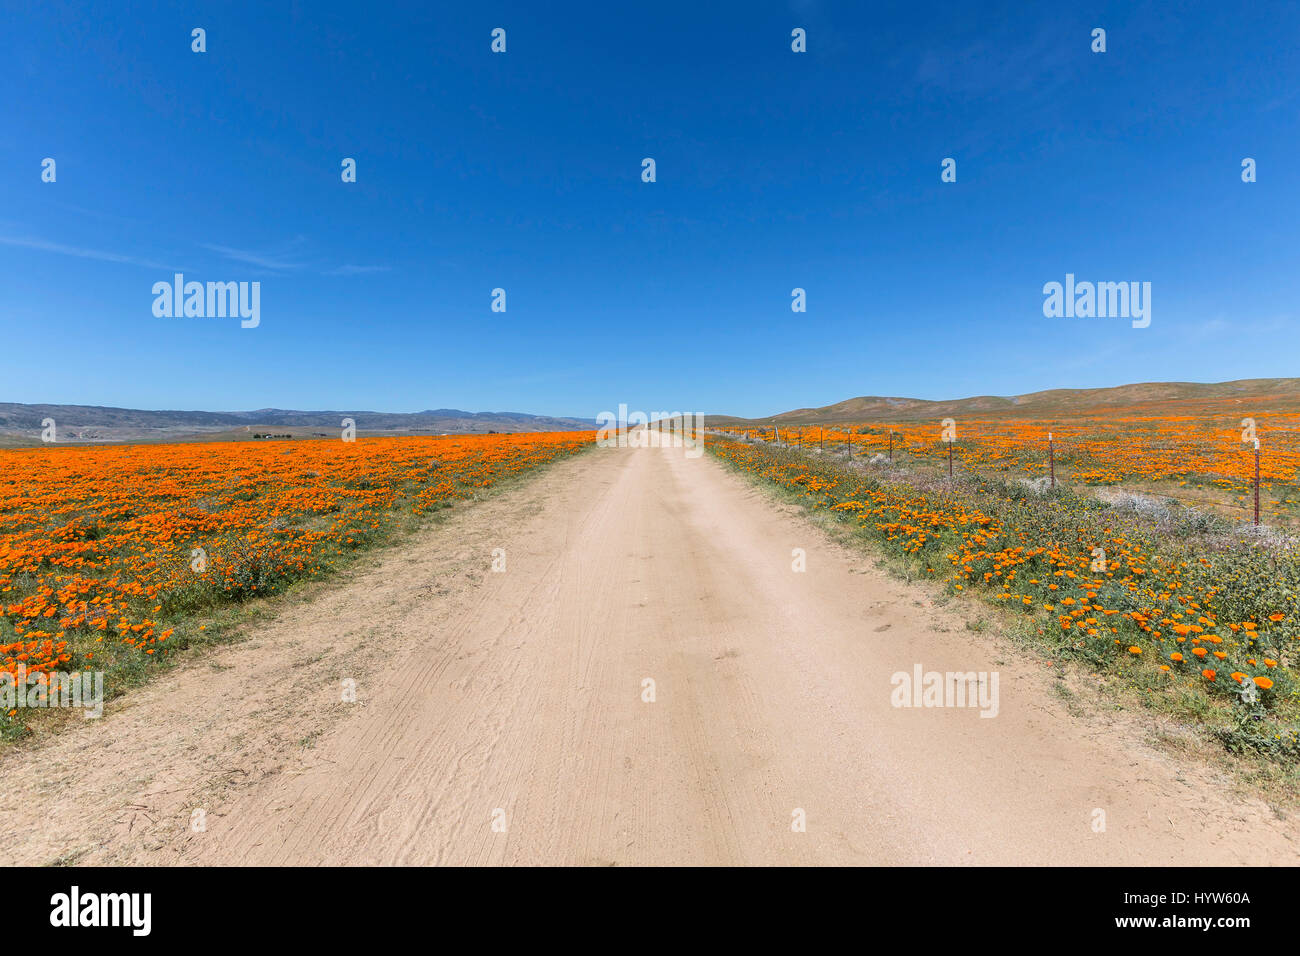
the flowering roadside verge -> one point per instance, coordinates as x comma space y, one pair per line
112, 556
1185, 613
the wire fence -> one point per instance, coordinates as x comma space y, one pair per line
1227, 461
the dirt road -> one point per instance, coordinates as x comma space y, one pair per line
504, 718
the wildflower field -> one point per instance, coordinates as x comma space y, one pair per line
110, 556
1199, 460
1198, 611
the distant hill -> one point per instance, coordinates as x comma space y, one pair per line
1262, 395
21, 424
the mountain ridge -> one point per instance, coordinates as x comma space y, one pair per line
1281, 393
22, 423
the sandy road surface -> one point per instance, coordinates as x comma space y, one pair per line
517, 697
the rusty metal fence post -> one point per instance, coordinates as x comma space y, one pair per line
1257, 482
1051, 458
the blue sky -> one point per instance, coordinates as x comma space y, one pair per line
522, 170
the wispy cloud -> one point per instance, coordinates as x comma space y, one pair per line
1223, 326
43, 245
997, 64
291, 256
95, 213
282, 259
355, 270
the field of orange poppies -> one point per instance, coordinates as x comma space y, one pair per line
111, 556
1198, 459
1195, 608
